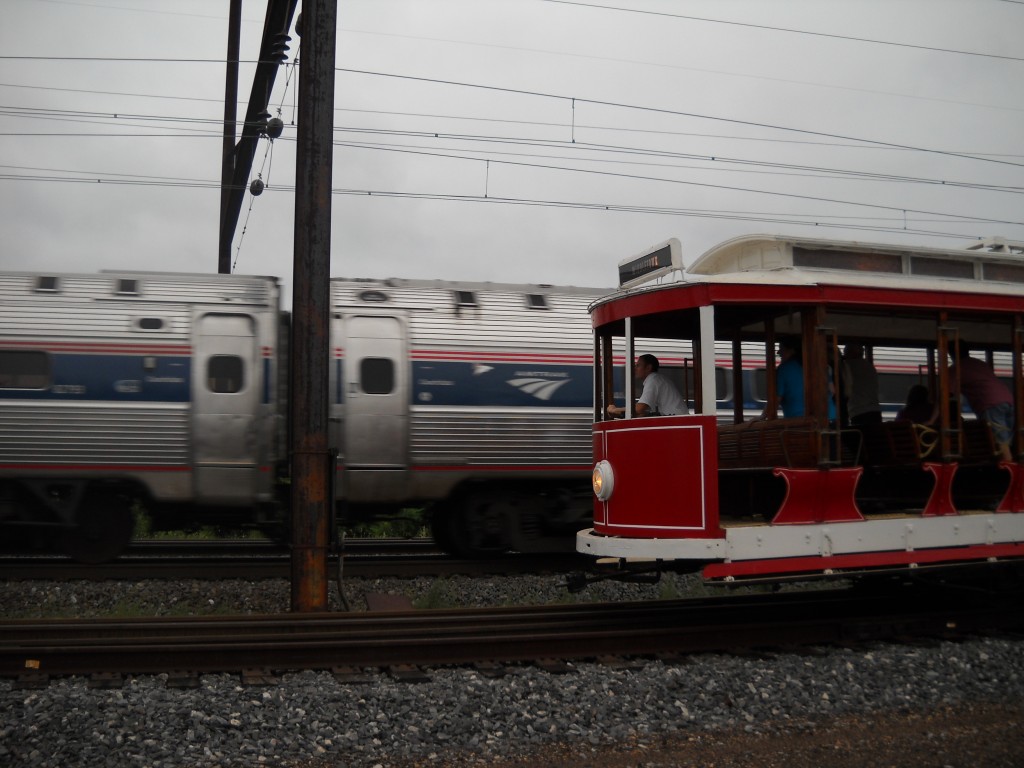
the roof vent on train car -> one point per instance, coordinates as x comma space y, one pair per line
999, 245
127, 287
47, 284
373, 296
536, 301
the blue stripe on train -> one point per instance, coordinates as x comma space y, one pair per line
121, 378
502, 384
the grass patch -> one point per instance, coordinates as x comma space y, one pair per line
407, 524
439, 596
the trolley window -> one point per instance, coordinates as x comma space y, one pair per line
377, 375
893, 387
21, 369
225, 374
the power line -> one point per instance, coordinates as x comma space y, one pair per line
724, 187
540, 123
787, 29
702, 70
813, 171
719, 160
678, 113
93, 92
584, 100
818, 221
816, 171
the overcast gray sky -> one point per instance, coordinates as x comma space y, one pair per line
564, 137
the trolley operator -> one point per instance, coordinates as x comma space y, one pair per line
660, 396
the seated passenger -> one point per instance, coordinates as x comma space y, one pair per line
660, 396
919, 408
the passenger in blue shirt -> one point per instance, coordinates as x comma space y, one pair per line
789, 383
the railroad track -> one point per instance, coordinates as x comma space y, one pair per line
350, 641
226, 559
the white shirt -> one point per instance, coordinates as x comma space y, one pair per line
862, 389
662, 397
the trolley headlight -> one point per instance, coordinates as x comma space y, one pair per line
603, 480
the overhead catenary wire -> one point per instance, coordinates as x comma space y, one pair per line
718, 159
815, 220
849, 141
788, 30
682, 113
580, 99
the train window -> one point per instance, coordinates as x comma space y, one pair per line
893, 387
20, 369
465, 299
536, 301
149, 324
47, 284
920, 265
377, 297
127, 287
225, 374
1006, 273
722, 378
759, 385
377, 375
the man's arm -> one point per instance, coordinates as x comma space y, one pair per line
642, 409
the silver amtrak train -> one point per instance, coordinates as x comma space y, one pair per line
169, 390
473, 400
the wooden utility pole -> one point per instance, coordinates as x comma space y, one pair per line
310, 457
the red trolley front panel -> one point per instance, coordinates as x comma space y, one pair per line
664, 475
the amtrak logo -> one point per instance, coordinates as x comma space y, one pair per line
480, 369
542, 389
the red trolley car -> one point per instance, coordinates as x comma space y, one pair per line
773, 497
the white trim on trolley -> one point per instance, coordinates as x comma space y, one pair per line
901, 534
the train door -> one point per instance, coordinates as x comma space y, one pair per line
225, 398
372, 400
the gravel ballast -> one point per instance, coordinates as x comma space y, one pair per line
649, 714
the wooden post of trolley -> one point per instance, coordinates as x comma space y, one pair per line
311, 501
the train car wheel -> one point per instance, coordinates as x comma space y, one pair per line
18, 509
441, 527
104, 528
478, 527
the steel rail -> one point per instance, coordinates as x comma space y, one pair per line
328, 640
276, 566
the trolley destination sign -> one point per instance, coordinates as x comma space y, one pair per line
655, 262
